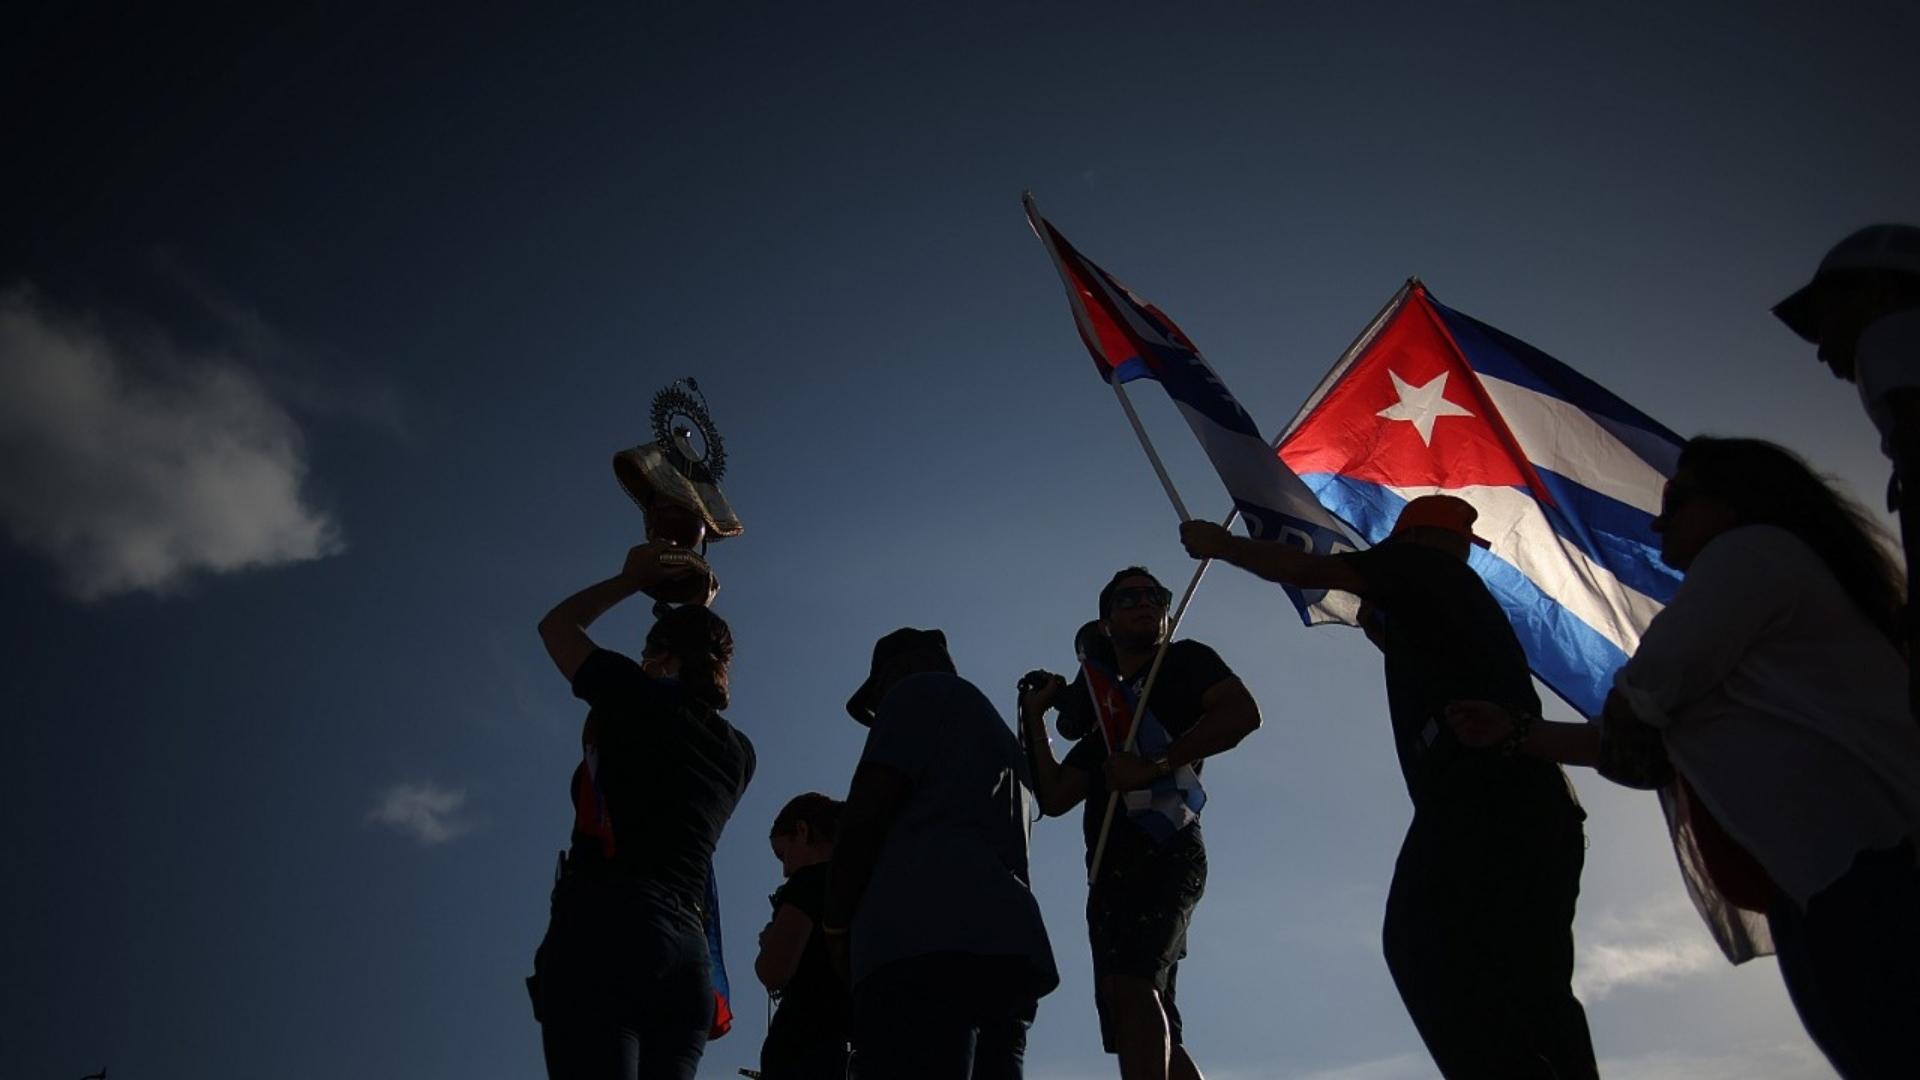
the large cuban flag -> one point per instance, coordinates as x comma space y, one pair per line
1131, 339
1566, 477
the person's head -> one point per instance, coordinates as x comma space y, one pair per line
1870, 274
803, 831
694, 645
1721, 484
904, 652
1134, 609
1443, 522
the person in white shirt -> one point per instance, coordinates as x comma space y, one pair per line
1769, 700
1862, 309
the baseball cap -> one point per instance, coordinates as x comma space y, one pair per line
1454, 514
906, 640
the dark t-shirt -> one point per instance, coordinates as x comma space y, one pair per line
1446, 639
662, 773
1188, 672
815, 1005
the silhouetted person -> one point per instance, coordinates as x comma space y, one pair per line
1479, 924
807, 1038
1862, 309
622, 982
1154, 867
1770, 695
930, 888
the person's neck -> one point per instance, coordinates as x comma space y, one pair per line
1132, 661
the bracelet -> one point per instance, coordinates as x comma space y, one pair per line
833, 931
1517, 735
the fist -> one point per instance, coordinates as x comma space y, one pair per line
1041, 697
1204, 539
658, 561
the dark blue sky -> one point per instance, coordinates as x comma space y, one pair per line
319, 324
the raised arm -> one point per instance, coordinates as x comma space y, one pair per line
1274, 561
564, 629
1057, 788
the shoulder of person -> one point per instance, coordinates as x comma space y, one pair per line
1754, 547
606, 675
1887, 355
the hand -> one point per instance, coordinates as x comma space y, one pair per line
1204, 539
656, 561
1034, 703
1479, 723
1125, 772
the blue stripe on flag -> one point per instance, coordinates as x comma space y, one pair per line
1500, 355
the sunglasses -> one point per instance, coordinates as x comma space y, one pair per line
1142, 596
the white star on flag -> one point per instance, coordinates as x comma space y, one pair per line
1421, 405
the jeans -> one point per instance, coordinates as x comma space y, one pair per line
622, 987
1479, 938
944, 1016
1851, 961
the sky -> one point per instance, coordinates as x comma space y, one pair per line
320, 323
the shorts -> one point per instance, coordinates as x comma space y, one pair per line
1137, 920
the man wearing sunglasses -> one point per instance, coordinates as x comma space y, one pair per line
1140, 906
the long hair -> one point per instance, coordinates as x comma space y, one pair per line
1767, 484
703, 644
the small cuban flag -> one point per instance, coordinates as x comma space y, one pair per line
1172, 802
1566, 477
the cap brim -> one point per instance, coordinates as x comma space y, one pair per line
1801, 311
860, 705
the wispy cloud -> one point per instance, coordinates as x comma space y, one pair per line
1651, 946
133, 465
1397, 1067
425, 811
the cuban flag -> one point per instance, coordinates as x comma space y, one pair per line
1566, 477
722, 992
1172, 802
1131, 339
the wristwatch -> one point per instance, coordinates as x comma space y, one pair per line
1162, 766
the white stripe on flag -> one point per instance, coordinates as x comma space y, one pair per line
1562, 437
1520, 535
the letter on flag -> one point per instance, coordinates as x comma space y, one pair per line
1566, 477
1131, 339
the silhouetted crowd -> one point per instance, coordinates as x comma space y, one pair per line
1770, 704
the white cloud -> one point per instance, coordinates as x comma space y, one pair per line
425, 811
1785, 1061
1655, 945
134, 466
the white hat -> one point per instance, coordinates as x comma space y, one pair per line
1890, 248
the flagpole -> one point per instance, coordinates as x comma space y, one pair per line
1159, 469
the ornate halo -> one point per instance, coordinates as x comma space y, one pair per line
686, 434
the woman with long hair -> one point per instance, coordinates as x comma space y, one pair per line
1769, 701
622, 983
